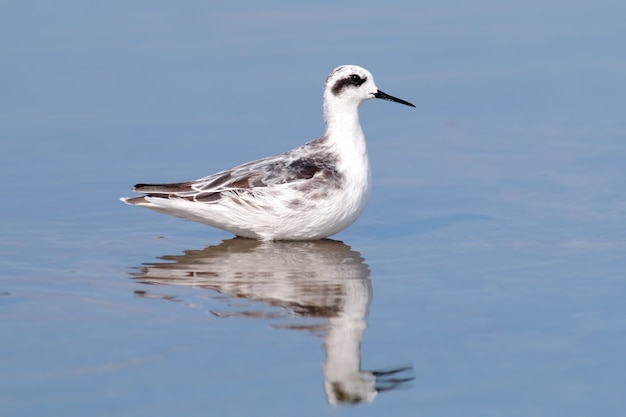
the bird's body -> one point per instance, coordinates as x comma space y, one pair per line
310, 192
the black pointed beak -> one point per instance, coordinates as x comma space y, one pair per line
384, 96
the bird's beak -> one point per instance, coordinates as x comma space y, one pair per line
384, 96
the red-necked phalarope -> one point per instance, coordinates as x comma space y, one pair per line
310, 192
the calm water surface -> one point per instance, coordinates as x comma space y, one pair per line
485, 278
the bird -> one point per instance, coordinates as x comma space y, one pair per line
308, 193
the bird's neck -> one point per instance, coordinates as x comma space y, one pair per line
343, 127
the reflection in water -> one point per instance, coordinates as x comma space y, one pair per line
321, 280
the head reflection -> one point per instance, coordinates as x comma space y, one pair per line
320, 280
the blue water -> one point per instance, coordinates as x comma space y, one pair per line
485, 278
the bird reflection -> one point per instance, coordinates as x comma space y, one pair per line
316, 280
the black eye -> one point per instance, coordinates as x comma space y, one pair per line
355, 79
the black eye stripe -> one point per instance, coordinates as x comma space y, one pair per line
350, 80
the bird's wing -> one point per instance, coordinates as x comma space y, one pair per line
289, 167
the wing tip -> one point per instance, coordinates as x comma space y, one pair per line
169, 188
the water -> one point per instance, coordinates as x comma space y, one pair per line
485, 277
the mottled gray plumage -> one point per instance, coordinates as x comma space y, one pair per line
312, 166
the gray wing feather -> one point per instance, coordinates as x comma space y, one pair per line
302, 164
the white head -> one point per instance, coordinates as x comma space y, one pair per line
351, 84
